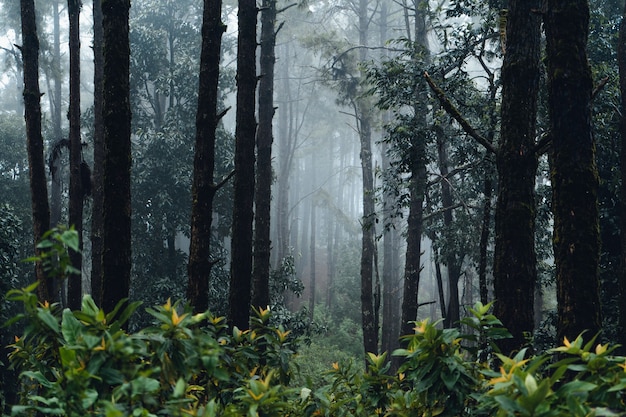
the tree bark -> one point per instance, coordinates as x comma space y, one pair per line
515, 271
574, 173
98, 156
203, 188
241, 246
74, 283
116, 254
34, 140
264, 139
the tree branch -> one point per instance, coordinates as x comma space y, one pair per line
456, 115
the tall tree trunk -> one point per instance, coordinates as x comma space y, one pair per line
364, 115
285, 159
97, 174
116, 243
203, 187
34, 139
453, 258
56, 104
417, 185
412, 266
574, 173
241, 247
621, 60
264, 139
312, 260
515, 260
74, 283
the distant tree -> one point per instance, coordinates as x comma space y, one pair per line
116, 254
34, 139
98, 155
74, 283
574, 173
264, 172
204, 187
515, 269
245, 129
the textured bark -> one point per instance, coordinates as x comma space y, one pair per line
515, 271
621, 60
573, 172
74, 283
98, 156
116, 254
241, 247
264, 139
203, 188
34, 139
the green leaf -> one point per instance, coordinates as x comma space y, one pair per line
71, 328
48, 319
89, 398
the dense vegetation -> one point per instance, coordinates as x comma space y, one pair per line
83, 363
396, 162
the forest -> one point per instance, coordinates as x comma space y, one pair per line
313, 208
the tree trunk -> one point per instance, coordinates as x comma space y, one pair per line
453, 257
241, 246
514, 259
56, 104
97, 173
203, 187
417, 186
74, 283
621, 60
264, 139
574, 173
412, 266
116, 244
34, 140
312, 260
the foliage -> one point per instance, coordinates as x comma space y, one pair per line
79, 363
82, 362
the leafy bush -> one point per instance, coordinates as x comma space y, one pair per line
77, 363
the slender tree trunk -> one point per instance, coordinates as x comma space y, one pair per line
98, 156
574, 173
412, 265
453, 259
417, 187
364, 115
34, 139
116, 243
264, 139
621, 60
241, 247
74, 283
312, 261
203, 187
515, 260
285, 158
55, 99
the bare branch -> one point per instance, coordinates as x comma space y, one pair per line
454, 112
